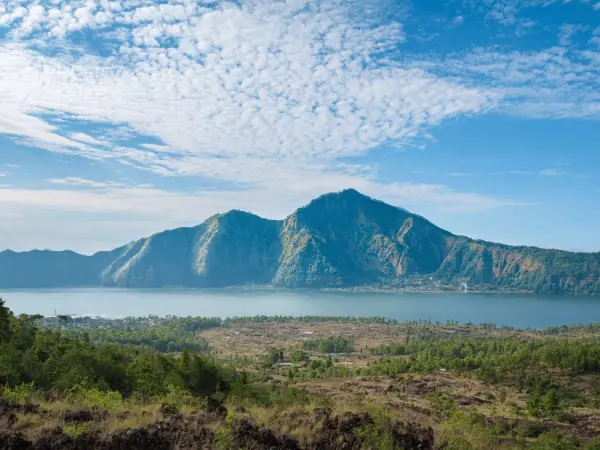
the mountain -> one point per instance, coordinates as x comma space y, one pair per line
338, 240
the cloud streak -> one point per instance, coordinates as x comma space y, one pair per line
553, 83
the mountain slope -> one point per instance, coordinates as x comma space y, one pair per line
342, 239
232, 248
349, 239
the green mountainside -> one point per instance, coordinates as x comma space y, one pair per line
339, 240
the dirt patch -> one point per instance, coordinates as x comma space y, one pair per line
85, 415
417, 388
7, 407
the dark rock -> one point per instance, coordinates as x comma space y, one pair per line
249, 435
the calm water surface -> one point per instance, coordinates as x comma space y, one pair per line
514, 310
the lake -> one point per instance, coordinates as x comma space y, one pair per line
514, 310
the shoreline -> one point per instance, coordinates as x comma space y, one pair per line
349, 289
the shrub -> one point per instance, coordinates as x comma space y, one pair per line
372, 436
223, 439
553, 441
444, 406
95, 398
20, 394
75, 430
465, 431
180, 397
299, 356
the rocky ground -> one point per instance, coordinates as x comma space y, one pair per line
202, 430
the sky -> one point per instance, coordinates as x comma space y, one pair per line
121, 118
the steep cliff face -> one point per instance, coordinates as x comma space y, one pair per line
237, 248
340, 239
163, 259
232, 248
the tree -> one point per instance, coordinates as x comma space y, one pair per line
272, 356
5, 319
551, 402
62, 322
299, 356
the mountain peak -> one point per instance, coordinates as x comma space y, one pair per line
349, 193
350, 201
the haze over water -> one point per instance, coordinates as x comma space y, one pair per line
514, 310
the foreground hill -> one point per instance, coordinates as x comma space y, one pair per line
339, 240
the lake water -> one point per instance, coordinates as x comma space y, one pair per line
515, 310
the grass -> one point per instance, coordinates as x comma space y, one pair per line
115, 424
76, 430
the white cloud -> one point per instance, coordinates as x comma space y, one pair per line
552, 172
86, 138
12, 166
77, 181
157, 148
240, 93
552, 83
568, 32
458, 20
510, 12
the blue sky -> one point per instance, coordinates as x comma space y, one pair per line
122, 118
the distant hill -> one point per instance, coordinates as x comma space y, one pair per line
338, 240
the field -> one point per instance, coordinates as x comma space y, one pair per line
310, 383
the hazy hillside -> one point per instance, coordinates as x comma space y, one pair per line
342, 239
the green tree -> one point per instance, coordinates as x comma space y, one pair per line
5, 322
63, 320
299, 356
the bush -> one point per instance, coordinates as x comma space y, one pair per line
20, 394
372, 436
593, 445
465, 431
75, 430
444, 406
223, 439
553, 441
299, 356
95, 398
179, 398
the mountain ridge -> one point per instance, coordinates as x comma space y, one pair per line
338, 240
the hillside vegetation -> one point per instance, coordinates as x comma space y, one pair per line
295, 383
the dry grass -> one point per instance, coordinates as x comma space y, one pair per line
115, 424
254, 339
